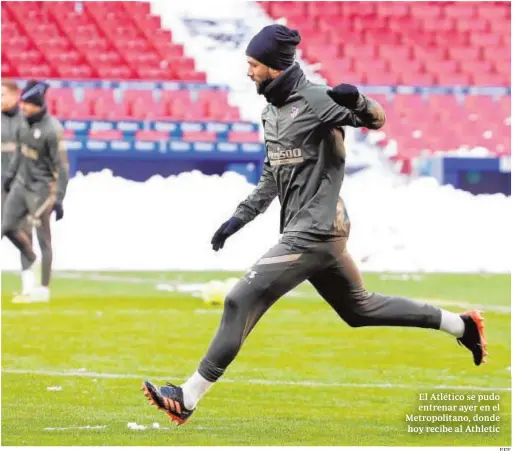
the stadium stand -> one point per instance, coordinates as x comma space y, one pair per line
109, 40
371, 43
407, 43
404, 42
104, 40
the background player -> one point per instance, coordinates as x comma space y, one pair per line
11, 120
36, 184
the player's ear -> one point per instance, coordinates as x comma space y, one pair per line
274, 73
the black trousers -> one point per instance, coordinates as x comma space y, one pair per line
331, 270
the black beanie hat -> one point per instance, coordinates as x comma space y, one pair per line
274, 46
34, 92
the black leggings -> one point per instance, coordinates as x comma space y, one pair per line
332, 271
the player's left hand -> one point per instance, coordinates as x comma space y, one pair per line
59, 211
345, 95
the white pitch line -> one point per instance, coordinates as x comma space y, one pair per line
74, 428
257, 381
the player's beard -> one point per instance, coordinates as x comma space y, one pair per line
263, 85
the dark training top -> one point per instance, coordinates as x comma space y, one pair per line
11, 121
40, 161
305, 155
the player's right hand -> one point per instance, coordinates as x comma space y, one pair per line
345, 95
7, 184
227, 229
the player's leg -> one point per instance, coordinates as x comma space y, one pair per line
15, 209
45, 244
279, 271
28, 279
341, 285
40, 208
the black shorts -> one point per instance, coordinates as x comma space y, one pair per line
22, 206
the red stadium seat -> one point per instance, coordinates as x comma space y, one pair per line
105, 135
315, 8
465, 9
315, 52
199, 136
424, 10
34, 71
288, 9
482, 39
471, 25
361, 9
391, 52
115, 72
381, 78
137, 9
67, 109
151, 135
109, 109
417, 79
464, 53
439, 24
154, 73
494, 13
247, 137
142, 109
473, 67
130, 95
490, 79
75, 71
187, 112
392, 9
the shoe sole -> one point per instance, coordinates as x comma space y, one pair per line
478, 319
30, 301
20, 300
153, 402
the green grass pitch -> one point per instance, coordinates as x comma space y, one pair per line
302, 378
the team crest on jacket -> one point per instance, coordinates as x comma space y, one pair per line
37, 133
294, 112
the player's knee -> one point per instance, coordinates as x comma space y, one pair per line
231, 307
360, 314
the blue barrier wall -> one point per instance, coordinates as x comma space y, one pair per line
489, 175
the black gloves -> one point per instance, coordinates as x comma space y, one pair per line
345, 95
7, 184
59, 212
227, 229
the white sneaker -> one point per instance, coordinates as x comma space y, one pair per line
39, 294
29, 277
